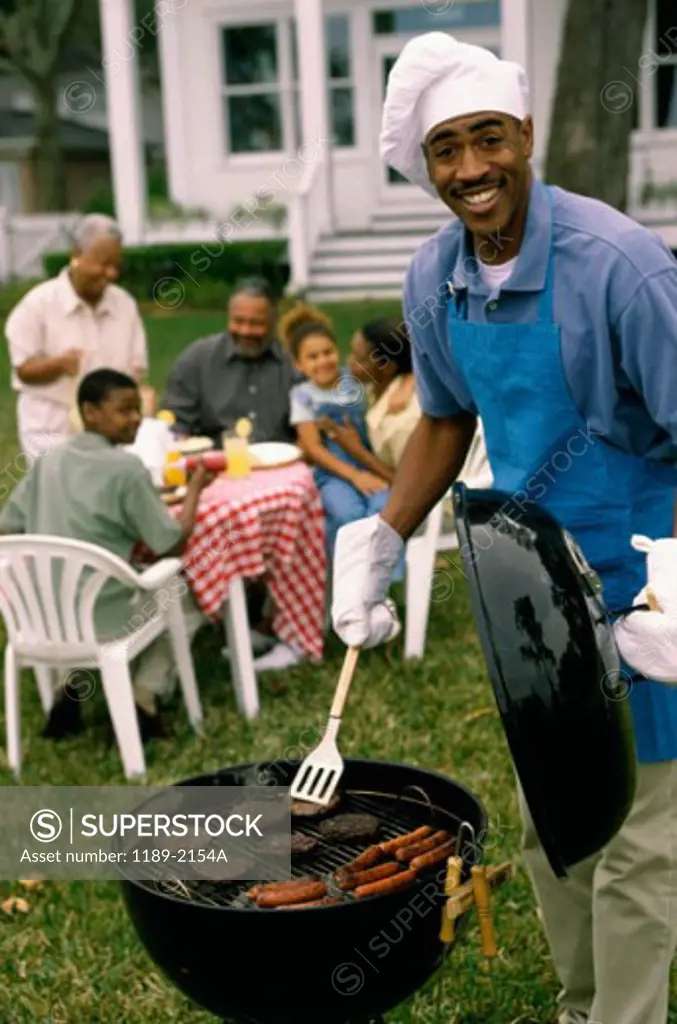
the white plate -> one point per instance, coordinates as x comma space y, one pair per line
273, 454
174, 496
194, 445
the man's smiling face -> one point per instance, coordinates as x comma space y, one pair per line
480, 167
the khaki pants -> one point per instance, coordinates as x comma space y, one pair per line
154, 675
612, 925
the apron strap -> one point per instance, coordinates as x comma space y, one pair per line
457, 301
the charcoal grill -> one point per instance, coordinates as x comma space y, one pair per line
343, 964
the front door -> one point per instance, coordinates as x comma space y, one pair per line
391, 184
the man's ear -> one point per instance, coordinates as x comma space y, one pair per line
527, 135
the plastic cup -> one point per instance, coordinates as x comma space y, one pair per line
236, 451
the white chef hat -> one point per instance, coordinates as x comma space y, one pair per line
434, 79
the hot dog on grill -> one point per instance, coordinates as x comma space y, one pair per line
280, 897
294, 883
436, 856
352, 881
412, 837
370, 856
328, 901
392, 884
407, 853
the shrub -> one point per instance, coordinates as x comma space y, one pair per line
193, 270
12, 292
101, 200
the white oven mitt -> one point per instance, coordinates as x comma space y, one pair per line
366, 554
647, 640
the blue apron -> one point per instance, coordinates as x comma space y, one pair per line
538, 444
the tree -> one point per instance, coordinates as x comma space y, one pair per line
38, 40
33, 37
593, 111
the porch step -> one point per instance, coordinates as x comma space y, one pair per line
362, 258
371, 242
358, 265
354, 294
406, 221
355, 276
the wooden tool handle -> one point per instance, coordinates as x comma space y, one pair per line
453, 880
345, 679
454, 871
483, 904
463, 899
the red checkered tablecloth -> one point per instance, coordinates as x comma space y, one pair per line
269, 524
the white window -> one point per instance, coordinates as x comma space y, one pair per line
341, 85
340, 76
655, 85
665, 37
257, 87
438, 16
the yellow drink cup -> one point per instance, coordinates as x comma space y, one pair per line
236, 451
175, 475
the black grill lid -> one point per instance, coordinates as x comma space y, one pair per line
554, 666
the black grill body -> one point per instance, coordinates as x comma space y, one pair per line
336, 964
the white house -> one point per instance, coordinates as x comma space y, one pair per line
276, 103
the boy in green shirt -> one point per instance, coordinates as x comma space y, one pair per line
87, 488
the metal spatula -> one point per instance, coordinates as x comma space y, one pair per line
317, 778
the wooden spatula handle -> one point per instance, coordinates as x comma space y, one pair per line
345, 679
483, 906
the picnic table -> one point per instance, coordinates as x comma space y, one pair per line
268, 525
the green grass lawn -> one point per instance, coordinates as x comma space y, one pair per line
74, 957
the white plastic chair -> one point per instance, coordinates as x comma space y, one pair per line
423, 547
48, 589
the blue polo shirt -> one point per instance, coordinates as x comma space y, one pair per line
615, 300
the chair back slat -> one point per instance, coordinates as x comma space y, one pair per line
27, 601
86, 602
69, 590
13, 611
46, 571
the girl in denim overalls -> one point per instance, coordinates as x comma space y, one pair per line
329, 393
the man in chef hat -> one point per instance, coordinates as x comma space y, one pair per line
553, 318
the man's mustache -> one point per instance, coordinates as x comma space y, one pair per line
477, 186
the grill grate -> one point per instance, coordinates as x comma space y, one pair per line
397, 814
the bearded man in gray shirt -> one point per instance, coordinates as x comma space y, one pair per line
240, 372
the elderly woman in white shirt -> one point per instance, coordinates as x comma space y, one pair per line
68, 326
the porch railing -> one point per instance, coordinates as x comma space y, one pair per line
309, 218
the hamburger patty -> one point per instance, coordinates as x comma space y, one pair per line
349, 827
302, 845
307, 809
